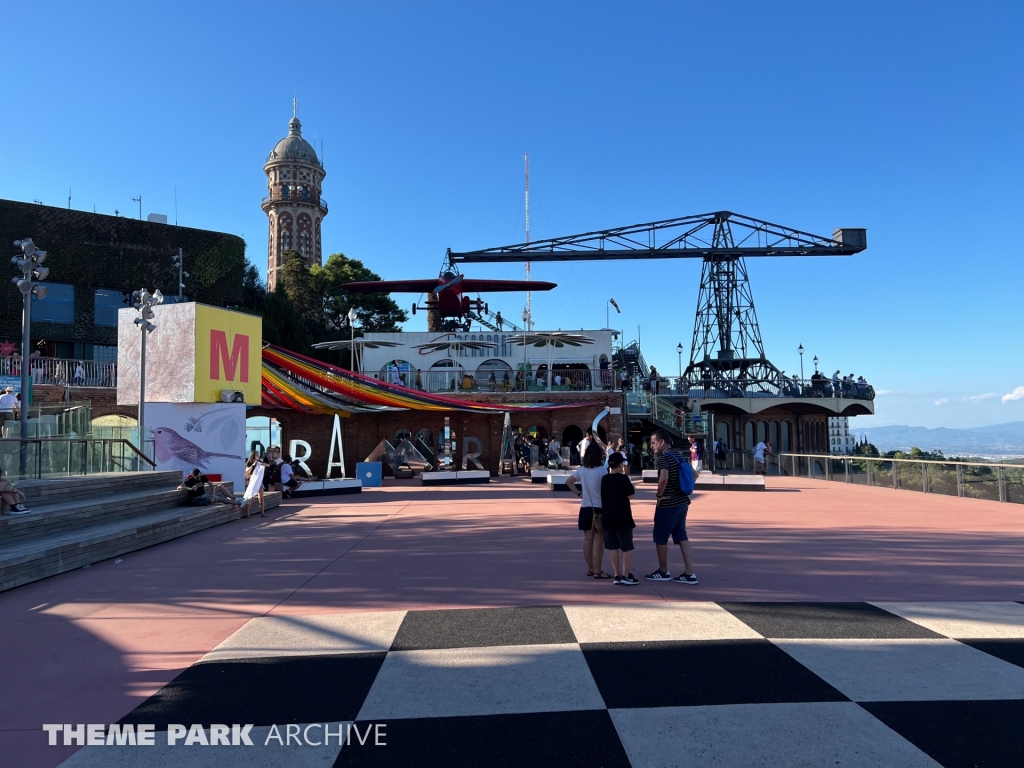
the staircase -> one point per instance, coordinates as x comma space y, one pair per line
77, 521
667, 415
631, 358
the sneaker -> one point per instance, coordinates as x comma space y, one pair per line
18, 509
617, 580
684, 579
629, 580
659, 576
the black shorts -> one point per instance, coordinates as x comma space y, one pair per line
619, 539
590, 517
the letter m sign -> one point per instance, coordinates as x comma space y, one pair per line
238, 356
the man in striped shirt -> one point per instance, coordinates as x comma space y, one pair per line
673, 504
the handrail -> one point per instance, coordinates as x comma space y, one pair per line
138, 453
973, 479
78, 460
862, 457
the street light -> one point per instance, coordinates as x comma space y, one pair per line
28, 262
815, 363
352, 317
182, 274
607, 313
144, 303
800, 349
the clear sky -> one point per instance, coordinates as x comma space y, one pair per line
901, 117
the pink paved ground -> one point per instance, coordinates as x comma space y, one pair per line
90, 645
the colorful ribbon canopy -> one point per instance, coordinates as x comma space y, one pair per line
300, 383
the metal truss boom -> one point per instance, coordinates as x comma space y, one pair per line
684, 237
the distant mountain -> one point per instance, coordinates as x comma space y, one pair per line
994, 440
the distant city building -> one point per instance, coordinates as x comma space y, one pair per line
293, 204
840, 440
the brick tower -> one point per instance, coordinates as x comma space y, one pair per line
293, 204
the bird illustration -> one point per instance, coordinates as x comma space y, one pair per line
173, 448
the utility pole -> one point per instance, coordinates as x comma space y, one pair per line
528, 317
139, 201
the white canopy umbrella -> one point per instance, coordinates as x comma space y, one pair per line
452, 345
550, 340
360, 344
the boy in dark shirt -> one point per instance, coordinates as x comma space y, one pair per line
616, 489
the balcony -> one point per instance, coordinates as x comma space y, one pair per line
65, 373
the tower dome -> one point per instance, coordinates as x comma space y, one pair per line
293, 146
294, 207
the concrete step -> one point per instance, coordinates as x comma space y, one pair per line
31, 559
53, 490
66, 516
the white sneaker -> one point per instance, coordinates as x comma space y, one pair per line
18, 509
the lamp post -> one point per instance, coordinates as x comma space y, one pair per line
607, 313
800, 349
815, 363
29, 263
679, 351
352, 317
182, 274
144, 303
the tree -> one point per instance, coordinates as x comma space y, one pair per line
283, 325
304, 290
254, 290
377, 311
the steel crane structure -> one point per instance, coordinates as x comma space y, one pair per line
727, 350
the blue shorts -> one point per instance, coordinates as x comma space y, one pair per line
670, 520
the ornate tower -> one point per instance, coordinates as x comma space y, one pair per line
293, 204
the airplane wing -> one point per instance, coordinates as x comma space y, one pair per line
470, 285
393, 286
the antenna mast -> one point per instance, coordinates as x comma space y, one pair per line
528, 315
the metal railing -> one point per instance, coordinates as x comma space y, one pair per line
666, 412
966, 479
65, 372
454, 380
67, 456
782, 388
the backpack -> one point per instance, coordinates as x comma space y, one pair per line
686, 480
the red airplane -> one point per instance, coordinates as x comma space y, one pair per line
445, 296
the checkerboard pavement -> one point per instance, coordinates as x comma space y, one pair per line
652, 684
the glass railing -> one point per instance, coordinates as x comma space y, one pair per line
52, 420
672, 415
965, 479
65, 456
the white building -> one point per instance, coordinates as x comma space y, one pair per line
840, 441
506, 366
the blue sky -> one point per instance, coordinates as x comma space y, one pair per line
904, 118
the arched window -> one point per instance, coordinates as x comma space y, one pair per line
762, 429
304, 244
773, 434
785, 436
748, 436
722, 432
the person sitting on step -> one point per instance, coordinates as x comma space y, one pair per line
195, 483
11, 497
